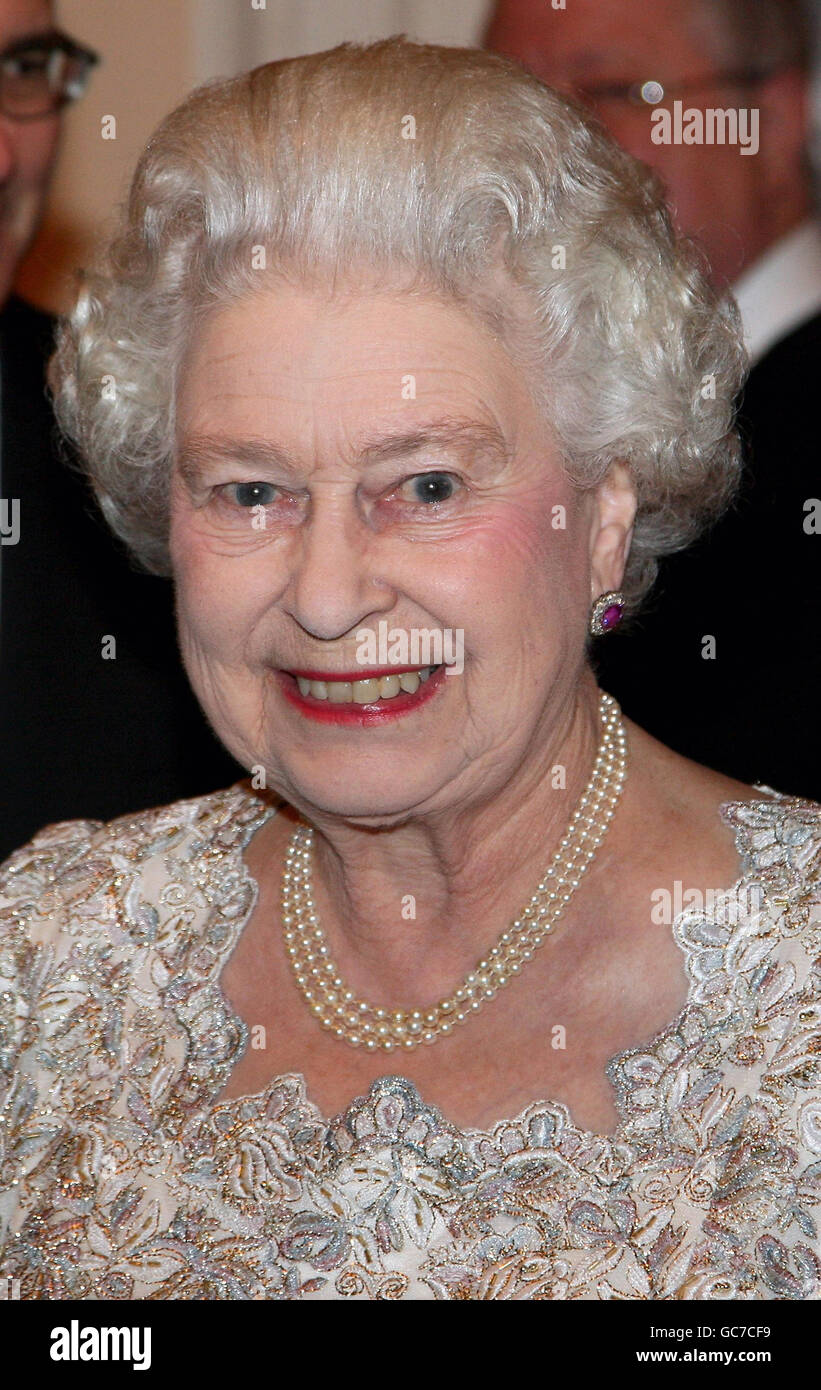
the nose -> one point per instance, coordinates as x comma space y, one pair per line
335, 581
8, 148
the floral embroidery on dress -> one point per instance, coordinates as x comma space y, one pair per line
121, 1176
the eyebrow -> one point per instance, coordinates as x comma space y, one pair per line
484, 442
597, 57
37, 38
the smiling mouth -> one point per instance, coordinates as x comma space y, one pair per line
364, 690
361, 699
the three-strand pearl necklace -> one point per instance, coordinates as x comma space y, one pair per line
364, 1025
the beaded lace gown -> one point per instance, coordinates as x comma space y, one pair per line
121, 1176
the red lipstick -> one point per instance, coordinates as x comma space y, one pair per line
350, 713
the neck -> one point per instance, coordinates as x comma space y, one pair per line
409, 908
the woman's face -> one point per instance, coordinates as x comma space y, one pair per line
373, 463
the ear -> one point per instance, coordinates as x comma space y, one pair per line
611, 529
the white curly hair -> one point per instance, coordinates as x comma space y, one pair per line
633, 357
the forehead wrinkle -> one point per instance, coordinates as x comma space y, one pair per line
342, 371
216, 359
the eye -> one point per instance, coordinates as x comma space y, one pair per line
25, 62
251, 494
429, 487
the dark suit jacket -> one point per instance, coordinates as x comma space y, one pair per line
81, 736
753, 584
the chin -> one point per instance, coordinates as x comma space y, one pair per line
382, 793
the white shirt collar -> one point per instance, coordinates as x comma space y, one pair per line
781, 290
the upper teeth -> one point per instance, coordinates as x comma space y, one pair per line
364, 692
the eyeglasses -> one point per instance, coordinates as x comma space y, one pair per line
42, 73
652, 93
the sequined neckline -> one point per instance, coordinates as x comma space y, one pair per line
562, 1126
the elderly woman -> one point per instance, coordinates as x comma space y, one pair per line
473, 990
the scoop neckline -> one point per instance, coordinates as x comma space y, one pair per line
475, 1135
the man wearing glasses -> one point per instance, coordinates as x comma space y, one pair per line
66, 692
41, 70
745, 703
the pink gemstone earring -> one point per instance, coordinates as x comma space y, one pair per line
607, 612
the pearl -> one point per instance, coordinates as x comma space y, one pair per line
338, 1009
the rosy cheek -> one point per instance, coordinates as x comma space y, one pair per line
516, 582
521, 539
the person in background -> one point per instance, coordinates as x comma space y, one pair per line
722, 665
87, 643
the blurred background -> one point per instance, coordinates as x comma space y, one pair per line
154, 51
